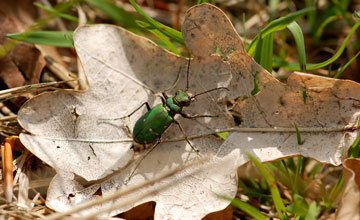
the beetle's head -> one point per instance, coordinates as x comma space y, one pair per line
183, 98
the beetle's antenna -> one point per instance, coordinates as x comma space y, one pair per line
210, 90
178, 77
175, 82
187, 74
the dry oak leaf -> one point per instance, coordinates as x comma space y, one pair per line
120, 66
350, 200
327, 117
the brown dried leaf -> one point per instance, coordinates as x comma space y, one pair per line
327, 119
350, 201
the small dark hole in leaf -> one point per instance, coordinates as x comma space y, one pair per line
237, 118
71, 196
281, 101
58, 147
98, 192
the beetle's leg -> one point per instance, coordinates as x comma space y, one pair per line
196, 116
163, 98
145, 103
186, 138
128, 132
140, 160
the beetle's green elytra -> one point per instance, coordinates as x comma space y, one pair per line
153, 124
150, 126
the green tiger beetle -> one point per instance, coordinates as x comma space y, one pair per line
149, 127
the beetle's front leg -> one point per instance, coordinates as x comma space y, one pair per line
197, 116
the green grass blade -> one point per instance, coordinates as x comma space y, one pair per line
244, 29
311, 17
321, 27
356, 15
257, 55
279, 205
277, 25
223, 135
256, 89
170, 46
51, 38
55, 12
255, 185
290, 164
299, 207
300, 162
300, 44
343, 68
354, 149
266, 55
249, 209
60, 8
334, 193
304, 95
298, 135
338, 53
341, 8
119, 15
313, 211
168, 31
296, 67
316, 170
273, 7
344, 4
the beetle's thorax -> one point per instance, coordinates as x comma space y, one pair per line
181, 99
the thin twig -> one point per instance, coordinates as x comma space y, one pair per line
233, 129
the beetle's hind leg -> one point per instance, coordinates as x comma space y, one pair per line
186, 138
145, 103
140, 160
